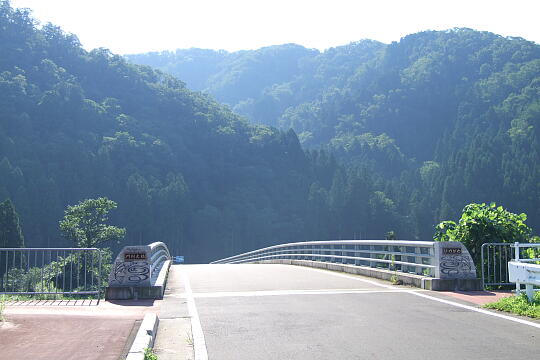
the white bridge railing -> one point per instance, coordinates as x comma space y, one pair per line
521, 271
428, 258
159, 254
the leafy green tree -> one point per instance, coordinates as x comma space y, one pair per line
481, 223
11, 235
85, 223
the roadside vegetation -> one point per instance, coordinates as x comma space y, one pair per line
84, 224
483, 223
519, 305
149, 354
2, 307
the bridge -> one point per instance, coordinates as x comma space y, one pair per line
273, 311
314, 301
258, 305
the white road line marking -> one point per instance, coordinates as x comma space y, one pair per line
291, 292
472, 308
199, 344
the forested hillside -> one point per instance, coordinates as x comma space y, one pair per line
396, 137
438, 119
182, 168
262, 84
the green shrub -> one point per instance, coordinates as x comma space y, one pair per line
2, 307
481, 223
149, 354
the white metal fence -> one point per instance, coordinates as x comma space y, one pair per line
494, 262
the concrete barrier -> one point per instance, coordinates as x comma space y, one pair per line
139, 272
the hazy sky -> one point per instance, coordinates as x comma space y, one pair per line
133, 26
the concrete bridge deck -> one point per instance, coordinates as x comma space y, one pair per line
261, 312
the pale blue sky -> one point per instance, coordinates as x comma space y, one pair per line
133, 26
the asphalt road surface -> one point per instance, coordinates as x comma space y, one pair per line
273, 312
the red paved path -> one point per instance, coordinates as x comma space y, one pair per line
478, 297
60, 331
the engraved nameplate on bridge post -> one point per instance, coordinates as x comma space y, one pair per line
451, 251
131, 267
135, 256
454, 261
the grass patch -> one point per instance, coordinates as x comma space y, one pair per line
2, 307
189, 339
149, 354
394, 280
518, 304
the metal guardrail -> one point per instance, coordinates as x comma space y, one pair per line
526, 274
417, 257
521, 272
495, 258
50, 271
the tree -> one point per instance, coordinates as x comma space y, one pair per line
85, 223
481, 223
11, 235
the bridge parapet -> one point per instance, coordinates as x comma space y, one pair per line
139, 272
426, 264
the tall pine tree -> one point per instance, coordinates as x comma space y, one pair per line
11, 235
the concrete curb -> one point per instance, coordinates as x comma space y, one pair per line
419, 281
145, 337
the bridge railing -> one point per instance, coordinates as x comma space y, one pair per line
50, 271
159, 254
428, 258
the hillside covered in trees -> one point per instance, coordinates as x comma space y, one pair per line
183, 169
390, 137
438, 119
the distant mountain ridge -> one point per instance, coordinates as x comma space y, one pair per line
243, 79
275, 85
459, 108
